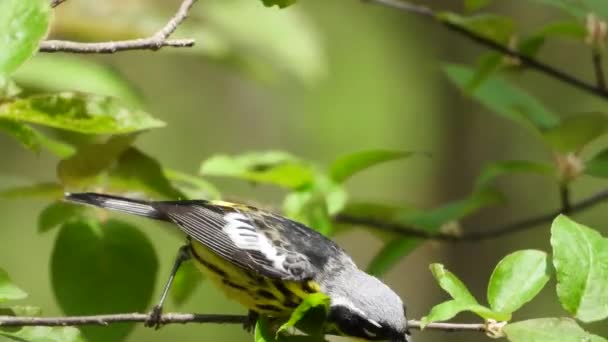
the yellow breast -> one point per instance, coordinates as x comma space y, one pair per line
270, 297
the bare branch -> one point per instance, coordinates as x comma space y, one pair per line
182, 318
484, 234
154, 42
491, 44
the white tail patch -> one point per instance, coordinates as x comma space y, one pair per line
245, 236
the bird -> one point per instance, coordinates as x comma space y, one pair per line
269, 264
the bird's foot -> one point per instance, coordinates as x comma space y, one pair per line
252, 319
154, 318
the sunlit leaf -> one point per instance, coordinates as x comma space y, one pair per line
57, 73
92, 159
517, 279
22, 25
273, 167
463, 299
346, 166
78, 112
8, 88
504, 99
548, 330
8, 290
103, 268
580, 257
312, 302
576, 131
449, 309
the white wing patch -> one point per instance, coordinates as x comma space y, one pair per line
245, 236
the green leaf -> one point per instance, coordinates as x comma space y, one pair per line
40, 190
548, 330
280, 3
504, 99
56, 73
517, 279
58, 213
44, 334
474, 5
579, 8
346, 166
486, 65
192, 187
492, 171
309, 208
449, 309
569, 29
22, 25
463, 299
315, 301
78, 112
451, 284
8, 88
136, 170
580, 257
265, 333
99, 268
92, 159
32, 139
8, 290
575, 132
494, 27
274, 167
431, 221
186, 281
598, 165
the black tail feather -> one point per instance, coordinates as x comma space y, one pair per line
126, 205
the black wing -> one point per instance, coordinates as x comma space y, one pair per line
255, 240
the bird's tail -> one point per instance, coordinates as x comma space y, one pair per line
127, 205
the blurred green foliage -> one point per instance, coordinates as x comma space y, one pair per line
90, 116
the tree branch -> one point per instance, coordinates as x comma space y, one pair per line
154, 42
55, 3
182, 318
598, 67
485, 234
489, 43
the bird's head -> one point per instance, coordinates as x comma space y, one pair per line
362, 306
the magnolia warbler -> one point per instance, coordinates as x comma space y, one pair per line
269, 263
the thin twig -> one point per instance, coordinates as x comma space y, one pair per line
564, 196
598, 67
491, 44
55, 3
485, 234
182, 318
154, 42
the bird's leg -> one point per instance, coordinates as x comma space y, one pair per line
252, 319
154, 319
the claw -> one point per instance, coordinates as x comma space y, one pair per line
154, 318
252, 319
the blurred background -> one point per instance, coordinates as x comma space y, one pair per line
319, 79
